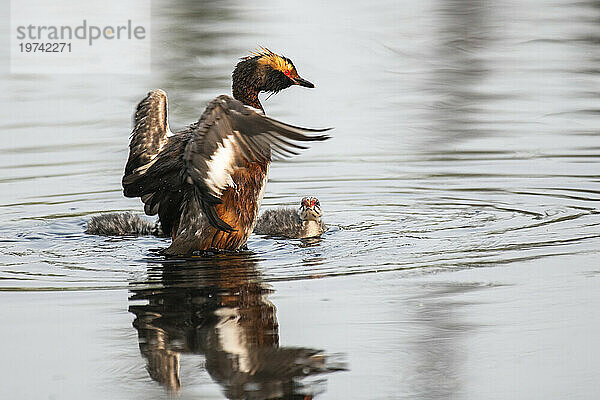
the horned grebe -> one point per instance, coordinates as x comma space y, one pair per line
206, 183
287, 222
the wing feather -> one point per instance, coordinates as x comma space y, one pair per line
150, 132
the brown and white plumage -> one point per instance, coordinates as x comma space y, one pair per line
206, 182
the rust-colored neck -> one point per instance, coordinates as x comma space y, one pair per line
248, 96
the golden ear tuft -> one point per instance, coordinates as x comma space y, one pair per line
261, 52
267, 57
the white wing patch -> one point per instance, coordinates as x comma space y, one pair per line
220, 167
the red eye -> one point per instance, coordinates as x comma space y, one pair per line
288, 73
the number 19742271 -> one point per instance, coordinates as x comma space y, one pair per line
35, 47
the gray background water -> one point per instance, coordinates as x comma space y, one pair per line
461, 187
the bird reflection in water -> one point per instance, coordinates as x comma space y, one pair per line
218, 307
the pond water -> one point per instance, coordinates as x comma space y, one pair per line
461, 188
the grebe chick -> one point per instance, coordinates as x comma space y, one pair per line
122, 224
290, 223
206, 182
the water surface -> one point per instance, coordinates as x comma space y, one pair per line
461, 188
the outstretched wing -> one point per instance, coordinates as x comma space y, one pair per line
150, 131
228, 136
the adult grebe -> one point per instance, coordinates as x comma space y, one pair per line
206, 182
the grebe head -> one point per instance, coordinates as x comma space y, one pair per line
310, 209
264, 71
